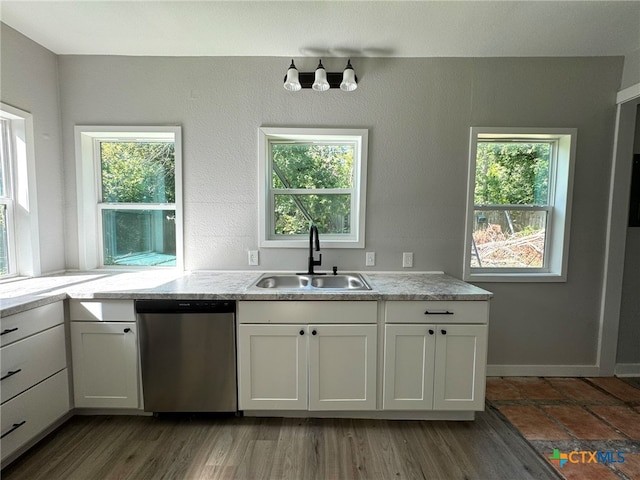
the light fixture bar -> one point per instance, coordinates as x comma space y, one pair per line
306, 79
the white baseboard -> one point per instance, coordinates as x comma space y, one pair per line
628, 369
543, 371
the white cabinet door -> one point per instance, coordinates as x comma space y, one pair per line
342, 367
461, 357
272, 367
105, 364
409, 352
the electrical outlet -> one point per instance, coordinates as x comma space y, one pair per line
407, 259
254, 257
370, 259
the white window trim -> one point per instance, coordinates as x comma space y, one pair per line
26, 232
561, 194
358, 199
88, 188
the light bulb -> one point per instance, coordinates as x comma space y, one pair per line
320, 83
291, 81
349, 81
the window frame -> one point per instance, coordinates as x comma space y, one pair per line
561, 170
357, 137
89, 190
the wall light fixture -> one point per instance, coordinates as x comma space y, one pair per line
321, 80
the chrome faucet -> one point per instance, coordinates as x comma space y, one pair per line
313, 232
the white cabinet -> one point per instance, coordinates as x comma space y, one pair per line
408, 367
460, 367
342, 367
272, 367
35, 384
307, 366
105, 354
435, 366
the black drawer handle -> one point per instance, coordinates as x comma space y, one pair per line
313, 332
446, 312
11, 373
8, 330
301, 332
444, 332
127, 330
431, 332
14, 428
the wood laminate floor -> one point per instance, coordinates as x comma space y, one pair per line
197, 447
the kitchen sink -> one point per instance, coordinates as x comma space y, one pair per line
283, 281
345, 281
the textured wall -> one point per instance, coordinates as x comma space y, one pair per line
631, 72
29, 81
418, 112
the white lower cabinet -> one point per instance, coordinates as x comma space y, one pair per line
302, 366
342, 367
35, 377
105, 364
435, 366
272, 367
26, 415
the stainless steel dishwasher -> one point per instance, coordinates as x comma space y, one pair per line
188, 355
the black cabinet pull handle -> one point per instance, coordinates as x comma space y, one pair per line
11, 373
431, 332
301, 332
127, 330
313, 332
13, 429
444, 332
8, 330
446, 312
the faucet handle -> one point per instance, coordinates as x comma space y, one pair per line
319, 261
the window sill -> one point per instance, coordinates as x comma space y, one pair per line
324, 244
514, 277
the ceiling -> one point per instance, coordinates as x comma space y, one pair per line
329, 28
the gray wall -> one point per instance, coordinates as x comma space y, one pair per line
29, 81
418, 112
629, 329
631, 72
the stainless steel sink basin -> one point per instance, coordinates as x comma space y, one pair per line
283, 281
346, 281
350, 281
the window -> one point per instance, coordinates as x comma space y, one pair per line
19, 233
312, 176
7, 229
130, 180
519, 204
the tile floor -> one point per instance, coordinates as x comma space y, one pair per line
600, 414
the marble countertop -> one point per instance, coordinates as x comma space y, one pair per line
24, 294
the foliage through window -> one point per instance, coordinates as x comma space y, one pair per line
512, 206
313, 177
138, 202
519, 191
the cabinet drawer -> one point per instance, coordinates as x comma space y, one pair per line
436, 312
20, 325
31, 360
38, 408
103, 311
309, 311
